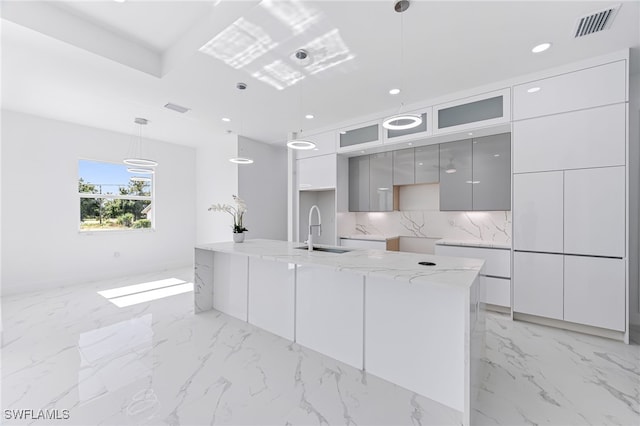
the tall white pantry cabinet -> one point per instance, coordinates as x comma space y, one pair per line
570, 198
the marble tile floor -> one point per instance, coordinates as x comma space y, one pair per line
156, 363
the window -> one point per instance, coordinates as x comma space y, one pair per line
112, 198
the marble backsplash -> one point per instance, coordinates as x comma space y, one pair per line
420, 223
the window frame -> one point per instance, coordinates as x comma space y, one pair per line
151, 198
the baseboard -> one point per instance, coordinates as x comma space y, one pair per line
580, 328
498, 308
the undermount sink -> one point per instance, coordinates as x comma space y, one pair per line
326, 249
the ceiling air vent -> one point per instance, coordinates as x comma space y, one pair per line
177, 108
595, 22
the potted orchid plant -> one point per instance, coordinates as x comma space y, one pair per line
237, 212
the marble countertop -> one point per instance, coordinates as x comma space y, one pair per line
473, 243
369, 237
448, 271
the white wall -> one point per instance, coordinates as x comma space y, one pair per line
216, 182
42, 247
263, 185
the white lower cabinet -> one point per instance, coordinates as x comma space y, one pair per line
230, 273
594, 291
537, 284
497, 291
404, 335
330, 313
497, 270
271, 296
366, 244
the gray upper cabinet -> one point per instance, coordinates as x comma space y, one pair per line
456, 176
427, 164
492, 172
359, 184
403, 167
381, 182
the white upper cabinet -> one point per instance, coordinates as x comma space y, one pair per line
483, 110
589, 138
538, 212
591, 87
594, 212
325, 144
317, 172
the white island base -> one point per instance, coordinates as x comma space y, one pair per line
420, 327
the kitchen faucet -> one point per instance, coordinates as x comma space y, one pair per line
319, 225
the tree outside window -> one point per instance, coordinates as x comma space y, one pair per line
111, 200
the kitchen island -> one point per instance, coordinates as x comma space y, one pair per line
420, 326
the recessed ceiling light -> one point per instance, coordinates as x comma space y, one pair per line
225, 119
361, 152
541, 47
343, 132
119, 1
496, 155
533, 90
394, 91
410, 143
470, 133
309, 116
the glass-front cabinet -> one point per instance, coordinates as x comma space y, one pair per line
483, 110
361, 136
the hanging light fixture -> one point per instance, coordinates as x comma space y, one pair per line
238, 159
136, 160
402, 121
294, 141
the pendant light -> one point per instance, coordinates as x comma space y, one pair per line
402, 121
136, 159
239, 159
294, 141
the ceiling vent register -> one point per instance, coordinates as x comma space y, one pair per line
595, 22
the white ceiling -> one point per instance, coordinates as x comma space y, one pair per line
102, 63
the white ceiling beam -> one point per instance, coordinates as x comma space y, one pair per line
53, 21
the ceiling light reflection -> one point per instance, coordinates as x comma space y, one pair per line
328, 50
279, 75
239, 44
293, 14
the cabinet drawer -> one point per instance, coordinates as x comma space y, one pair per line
580, 139
591, 87
497, 261
497, 291
594, 291
537, 284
